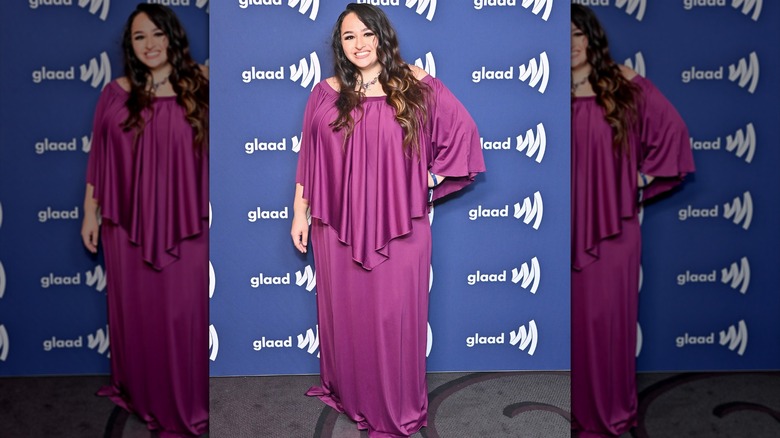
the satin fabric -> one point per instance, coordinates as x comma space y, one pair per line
372, 249
606, 250
153, 196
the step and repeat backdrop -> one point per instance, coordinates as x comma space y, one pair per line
57, 55
500, 291
709, 297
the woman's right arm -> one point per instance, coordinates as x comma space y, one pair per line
300, 222
89, 227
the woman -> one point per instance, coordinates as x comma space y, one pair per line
628, 144
376, 137
148, 175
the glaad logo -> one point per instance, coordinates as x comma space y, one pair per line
531, 212
742, 143
527, 276
254, 215
429, 66
304, 6
638, 340
632, 6
200, 4
739, 211
256, 145
307, 72
99, 341
745, 71
1, 215
49, 214
637, 63
737, 274
267, 280
96, 278
98, 73
296, 143
523, 338
533, 143
310, 341
3, 343
747, 6
213, 343
735, 337
95, 6
307, 278
538, 5
535, 73
212, 280
261, 343
422, 5
429, 341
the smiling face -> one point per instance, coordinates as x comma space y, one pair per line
579, 48
150, 44
359, 44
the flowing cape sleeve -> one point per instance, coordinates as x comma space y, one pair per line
456, 151
305, 173
665, 148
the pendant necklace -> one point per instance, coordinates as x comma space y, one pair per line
579, 83
366, 85
156, 85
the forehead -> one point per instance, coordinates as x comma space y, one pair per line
352, 23
142, 23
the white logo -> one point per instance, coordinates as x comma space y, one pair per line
45, 74
256, 145
744, 72
263, 342
743, 142
95, 5
429, 342
307, 72
529, 212
526, 276
632, 6
429, 66
3, 343
86, 143
637, 64
49, 214
738, 275
422, 5
212, 280
747, 6
267, 280
310, 341
209, 214
213, 343
638, 339
46, 145
96, 278
525, 337
736, 338
532, 144
296, 143
200, 4
98, 72
534, 73
99, 341
741, 210
538, 5
304, 7
255, 215
307, 278
2, 280
1, 215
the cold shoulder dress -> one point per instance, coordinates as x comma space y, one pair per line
606, 250
153, 198
371, 240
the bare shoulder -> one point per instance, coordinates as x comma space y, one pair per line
124, 83
417, 71
627, 72
333, 83
204, 69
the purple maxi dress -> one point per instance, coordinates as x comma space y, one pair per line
606, 250
153, 197
372, 250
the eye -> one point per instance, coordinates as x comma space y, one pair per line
368, 34
348, 37
138, 37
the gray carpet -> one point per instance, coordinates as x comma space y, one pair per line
475, 405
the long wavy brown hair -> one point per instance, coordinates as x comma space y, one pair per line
187, 79
616, 94
404, 92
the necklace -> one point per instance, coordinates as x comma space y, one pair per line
156, 85
365, 86
579, 83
